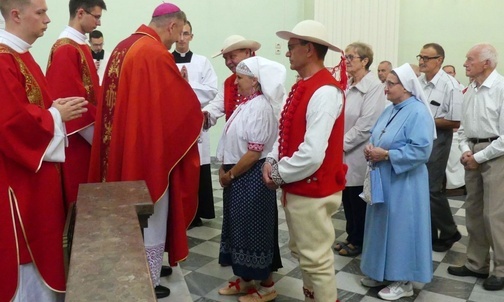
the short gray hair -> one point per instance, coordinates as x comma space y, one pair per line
488, 52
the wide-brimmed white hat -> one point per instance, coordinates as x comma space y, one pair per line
235, 42
309, 30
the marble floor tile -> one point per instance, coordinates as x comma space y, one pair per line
204, 276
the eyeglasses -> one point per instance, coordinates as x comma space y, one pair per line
426, 58
351, 57
97, 17
390, 84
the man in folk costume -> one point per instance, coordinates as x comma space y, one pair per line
32, 145
147, 127
311, 127
71, 72
234, 50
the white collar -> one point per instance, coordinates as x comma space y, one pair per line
13, 41
73, 35
182, 54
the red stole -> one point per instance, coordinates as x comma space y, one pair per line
71, 72
230, 95
31, 205
330, 177
147, 125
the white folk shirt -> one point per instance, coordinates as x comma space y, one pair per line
79, 38
443, 95
203, 81
483, 117
252, 123
323, 109
56, 150
365, 102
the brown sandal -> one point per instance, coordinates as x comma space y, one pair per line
350, 250
340, 245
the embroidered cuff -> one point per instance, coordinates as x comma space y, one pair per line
256, 147
271, 161
275, 175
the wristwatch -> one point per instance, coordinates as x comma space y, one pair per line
386, 155
231, 176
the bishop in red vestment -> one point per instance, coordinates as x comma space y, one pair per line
147, 128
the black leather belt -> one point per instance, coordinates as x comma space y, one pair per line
483, 140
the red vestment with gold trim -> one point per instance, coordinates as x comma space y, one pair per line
71, 72
147, 127
31, 202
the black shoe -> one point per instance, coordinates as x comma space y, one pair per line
166, 271
493, 283
442, 245
195, 223
463, 271
161, 291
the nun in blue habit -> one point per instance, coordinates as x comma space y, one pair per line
397, 237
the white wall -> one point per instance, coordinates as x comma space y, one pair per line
455, 24
212, 20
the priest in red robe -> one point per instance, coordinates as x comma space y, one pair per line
71, 72
32, 145
147, 128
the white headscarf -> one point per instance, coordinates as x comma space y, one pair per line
271, 75
410, 82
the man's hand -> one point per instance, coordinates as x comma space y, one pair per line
184, 74
70, 108
266, 174
467, 159
206, 123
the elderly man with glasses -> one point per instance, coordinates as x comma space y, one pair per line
445, 99
71, 72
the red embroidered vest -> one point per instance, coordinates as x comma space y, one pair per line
330, 177
230, 95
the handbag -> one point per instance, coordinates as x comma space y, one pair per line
373, 188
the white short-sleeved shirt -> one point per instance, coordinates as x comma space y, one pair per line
443, 95
483, 117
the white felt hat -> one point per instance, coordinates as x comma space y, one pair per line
235, 42
311, 31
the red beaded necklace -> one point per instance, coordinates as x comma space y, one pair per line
241, 100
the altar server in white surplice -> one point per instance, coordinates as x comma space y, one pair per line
198, 71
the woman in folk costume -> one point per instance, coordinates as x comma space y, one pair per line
249, 241
397, 233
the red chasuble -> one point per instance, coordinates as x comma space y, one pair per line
31, 203
71, 72
147, 126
